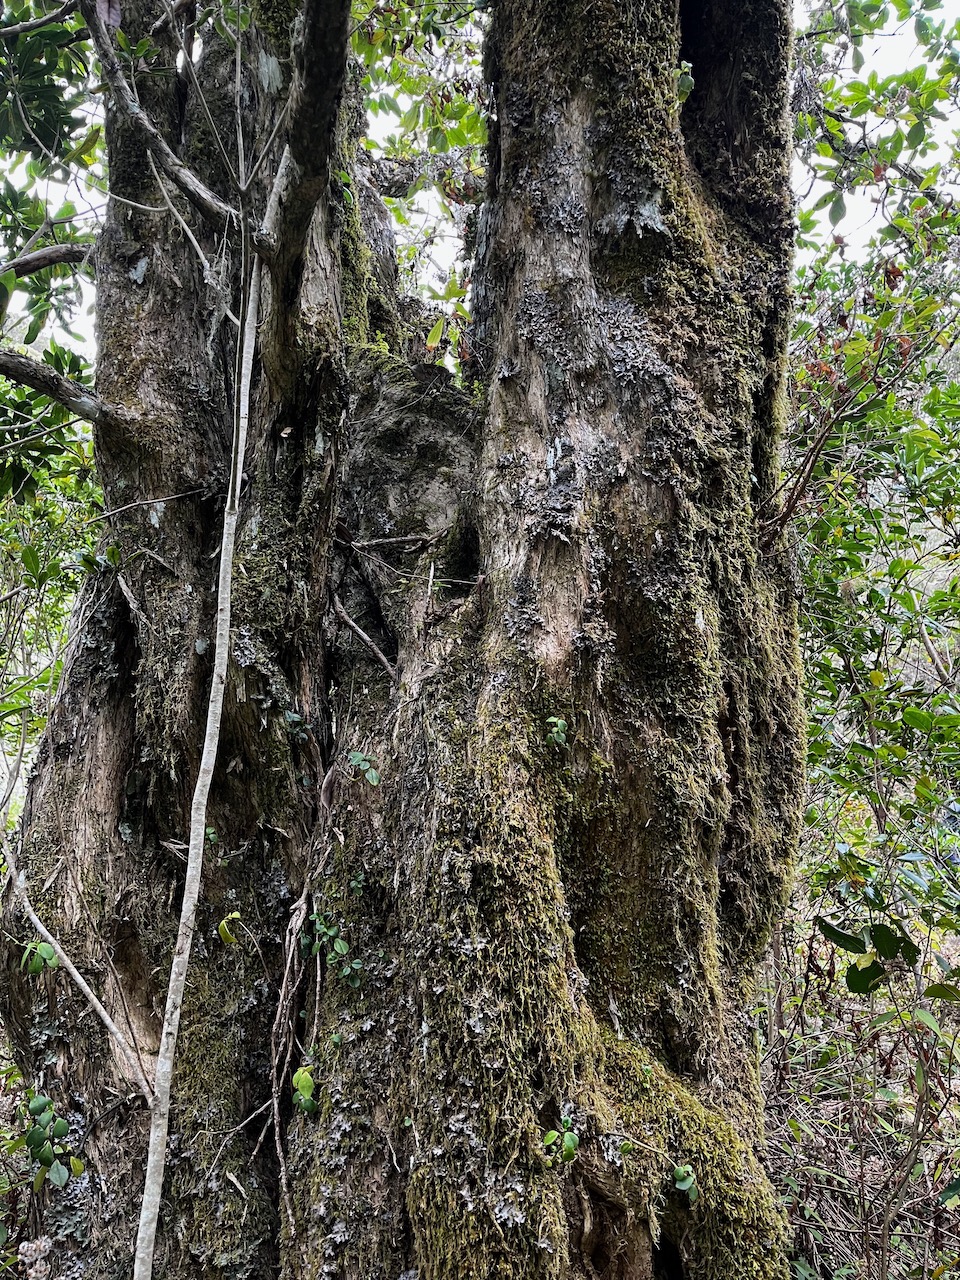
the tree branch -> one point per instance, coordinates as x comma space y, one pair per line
320, 61
22, 28
850, 153
204, 200
72, 395
128, 1051
378, 653
320, 42
169, 18
52, 255
849, 411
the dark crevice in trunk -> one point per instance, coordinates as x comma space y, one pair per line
731, 46
667, 1263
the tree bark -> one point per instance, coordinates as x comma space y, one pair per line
541, 929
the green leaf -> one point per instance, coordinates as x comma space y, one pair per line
928, 1020
59, 1175
76, 1166
838, 209
943, 991
303, 1081
31, 561
863, 981
909, 951
886, 941
36, 1137
568, 1146
916, 134
846, 941
39, 1104
882, 1019
33, 330
949, 1191
435, 334
223, 928
550, 1138
918, 719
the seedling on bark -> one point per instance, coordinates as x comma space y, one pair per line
556, 731
562, 1143
38, 956
303, 1090
43, 1141
684, 1179
327, 934
365, 765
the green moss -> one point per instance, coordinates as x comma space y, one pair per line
276, 18
735, 1227
223, 1207
357, 282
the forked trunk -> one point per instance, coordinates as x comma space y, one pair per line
540, 611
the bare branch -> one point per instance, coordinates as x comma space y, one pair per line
377, 652
128, 1051
48, 19
169, 18
72, 395
53, 255
183, 178
936, 657
320, 59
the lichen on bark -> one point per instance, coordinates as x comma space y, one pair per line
547, 933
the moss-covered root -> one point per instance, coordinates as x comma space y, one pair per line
726, 1225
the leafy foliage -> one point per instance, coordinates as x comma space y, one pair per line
34, 1149
874, 487
863, 1002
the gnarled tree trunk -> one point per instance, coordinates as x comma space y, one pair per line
530, 929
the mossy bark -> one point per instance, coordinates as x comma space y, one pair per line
552, 932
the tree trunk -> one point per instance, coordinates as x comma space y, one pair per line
523, 928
